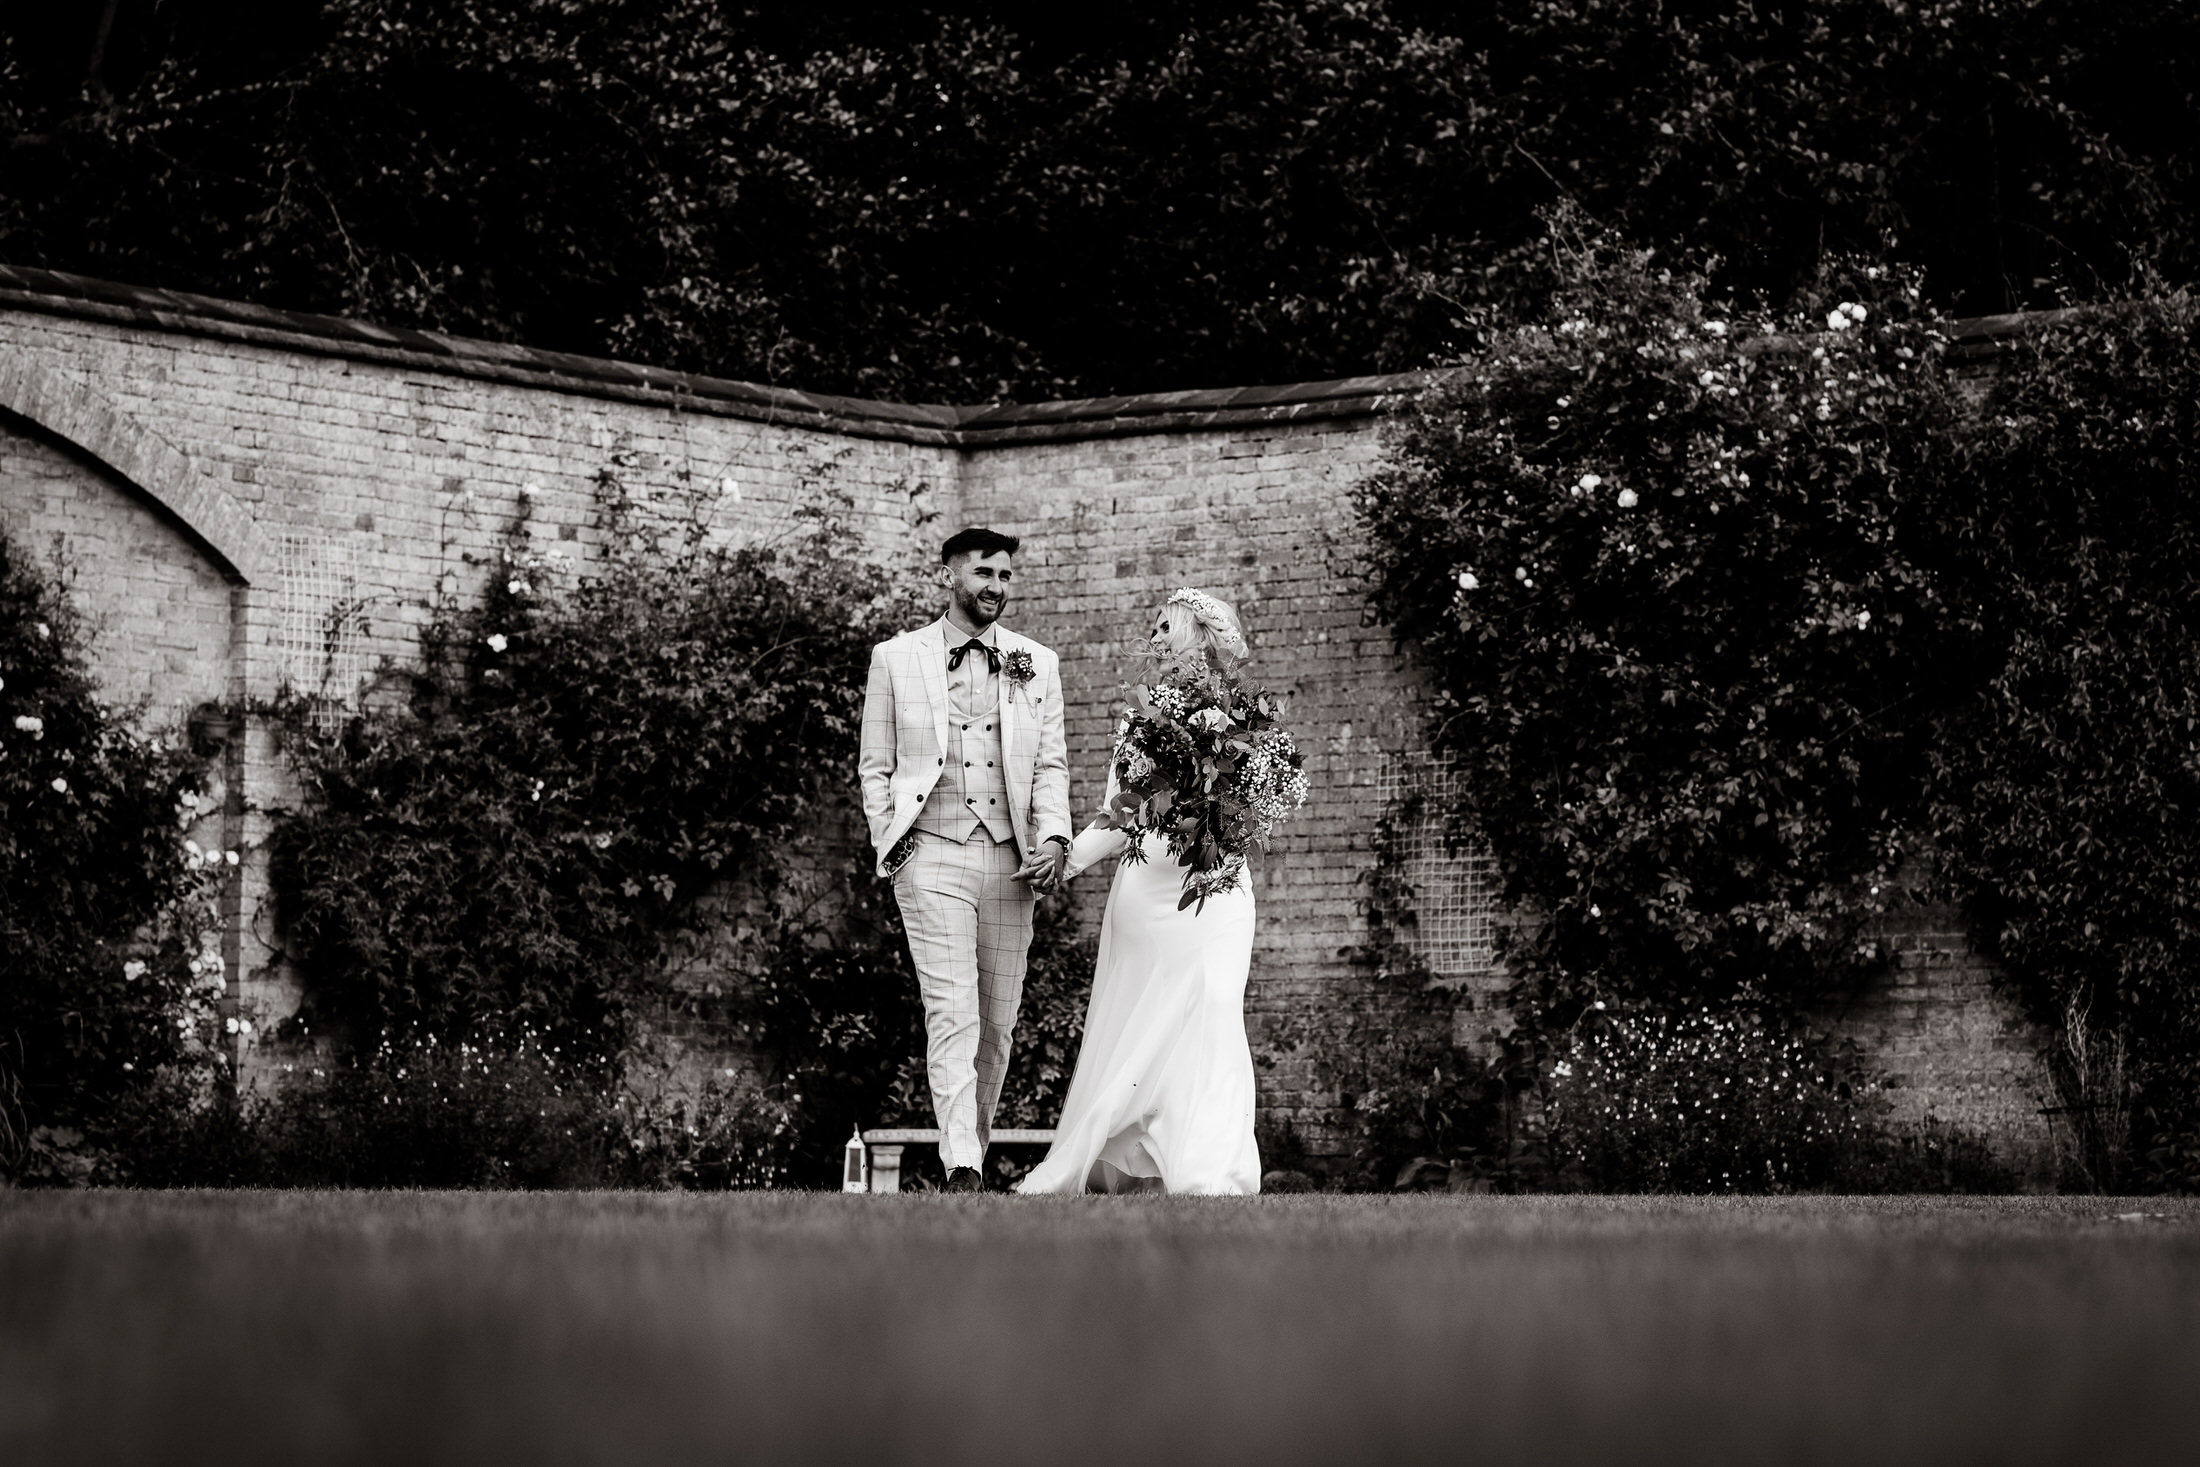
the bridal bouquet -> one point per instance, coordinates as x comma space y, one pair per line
1199, 759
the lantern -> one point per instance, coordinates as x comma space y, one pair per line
856, 1165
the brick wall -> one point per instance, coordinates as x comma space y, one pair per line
1956, 1048
314, 453
382, 481
159, 609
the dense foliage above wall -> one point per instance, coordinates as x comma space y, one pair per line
110, 963
1012, 200
1731, 613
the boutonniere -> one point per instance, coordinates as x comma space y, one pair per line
1017, 667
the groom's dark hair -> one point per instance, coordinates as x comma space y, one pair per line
983, 541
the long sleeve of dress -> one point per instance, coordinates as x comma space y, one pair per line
1096, 842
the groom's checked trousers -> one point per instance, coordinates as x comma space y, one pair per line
969, 930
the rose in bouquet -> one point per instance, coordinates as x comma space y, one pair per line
1199, 760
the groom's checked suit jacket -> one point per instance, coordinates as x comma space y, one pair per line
905, 714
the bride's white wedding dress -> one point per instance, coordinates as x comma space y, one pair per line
1163, 1092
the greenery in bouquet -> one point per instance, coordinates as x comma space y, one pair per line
1199, 759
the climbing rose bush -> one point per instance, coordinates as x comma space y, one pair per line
1668, 561
111, 971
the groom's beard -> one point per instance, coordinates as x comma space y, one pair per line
981, 611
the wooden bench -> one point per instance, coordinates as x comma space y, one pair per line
884, 1150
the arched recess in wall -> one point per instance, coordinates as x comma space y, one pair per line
157, 468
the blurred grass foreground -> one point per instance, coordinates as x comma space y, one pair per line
786, 1327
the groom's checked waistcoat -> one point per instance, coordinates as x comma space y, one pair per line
910, 727
972, 794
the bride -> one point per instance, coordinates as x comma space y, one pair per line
1162, 1098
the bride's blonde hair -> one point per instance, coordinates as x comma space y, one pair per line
1193, 624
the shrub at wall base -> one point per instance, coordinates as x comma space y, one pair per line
584, 758
2067, 794
110, 964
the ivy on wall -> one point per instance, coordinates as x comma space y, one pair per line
2067, 794
1661, 557
1730, 611
110, 962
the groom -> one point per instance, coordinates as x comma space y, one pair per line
966, 787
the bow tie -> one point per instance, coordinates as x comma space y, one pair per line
992, 658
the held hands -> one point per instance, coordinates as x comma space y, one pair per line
1044, 870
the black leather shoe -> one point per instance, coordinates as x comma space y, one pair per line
964, 1179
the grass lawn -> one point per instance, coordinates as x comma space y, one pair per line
615, 1327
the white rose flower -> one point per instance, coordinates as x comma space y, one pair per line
1467, 582
1839, 320
497, 643
230, 1025
1863, 620
232, 857
60, 785
132, 971
1715, 328
45, 632
516, 588
1628, 499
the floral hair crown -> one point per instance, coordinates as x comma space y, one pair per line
1211, 614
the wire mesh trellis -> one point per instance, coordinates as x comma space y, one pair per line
1454, 889
321, 631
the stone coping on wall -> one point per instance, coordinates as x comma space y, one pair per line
53, 292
